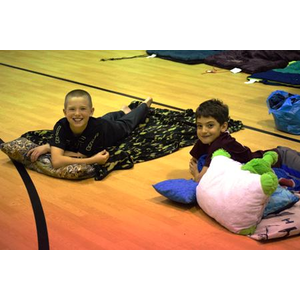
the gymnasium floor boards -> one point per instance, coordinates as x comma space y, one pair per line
122, 211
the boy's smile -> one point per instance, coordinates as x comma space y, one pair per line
208, 129
78, 112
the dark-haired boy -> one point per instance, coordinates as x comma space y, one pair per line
212, 122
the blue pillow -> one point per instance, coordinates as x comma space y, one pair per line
178, 190
201, 162
280, 200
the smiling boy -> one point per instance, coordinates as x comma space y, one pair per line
79, 138
212, 118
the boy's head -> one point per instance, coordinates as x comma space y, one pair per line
77, 109
78, 93
211, 119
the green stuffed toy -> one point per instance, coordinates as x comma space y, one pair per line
261, 166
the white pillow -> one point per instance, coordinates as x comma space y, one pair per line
231, 196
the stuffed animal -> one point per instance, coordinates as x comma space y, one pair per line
260, 166
235, 194
263, 167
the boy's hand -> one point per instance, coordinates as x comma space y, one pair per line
101, 157
194, 170
38, 151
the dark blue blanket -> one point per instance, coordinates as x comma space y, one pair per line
289, 76
281, 173
184, 56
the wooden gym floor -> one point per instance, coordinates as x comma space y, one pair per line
123, 211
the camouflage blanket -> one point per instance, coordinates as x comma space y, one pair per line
163, 132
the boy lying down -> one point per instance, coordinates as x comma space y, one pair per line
212, 123
79, 138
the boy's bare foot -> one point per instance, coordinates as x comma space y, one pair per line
126, 109
148, 101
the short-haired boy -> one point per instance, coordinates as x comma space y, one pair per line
79, 138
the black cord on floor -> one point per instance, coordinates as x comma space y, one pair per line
128, 57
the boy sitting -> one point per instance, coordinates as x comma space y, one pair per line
212, 121
79, 138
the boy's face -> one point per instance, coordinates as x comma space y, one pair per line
208, 129
78, 112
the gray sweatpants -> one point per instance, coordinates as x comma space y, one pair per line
290, 160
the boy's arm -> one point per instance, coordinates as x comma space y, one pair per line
34, 153
194, 170
198, 176
59, 159
74, 154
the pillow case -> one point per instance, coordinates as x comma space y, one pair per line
18, 148
232, 196
178, 190
282, 225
